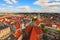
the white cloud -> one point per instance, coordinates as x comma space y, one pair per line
54, 4
8, 1
48, 7
14, 1
18, 9
24, 8
27, 9
35, 10
45, 3
11, 1
41, 2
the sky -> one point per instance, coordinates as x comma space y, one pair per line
30, 6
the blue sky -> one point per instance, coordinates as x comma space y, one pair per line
30, 5
20, 3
